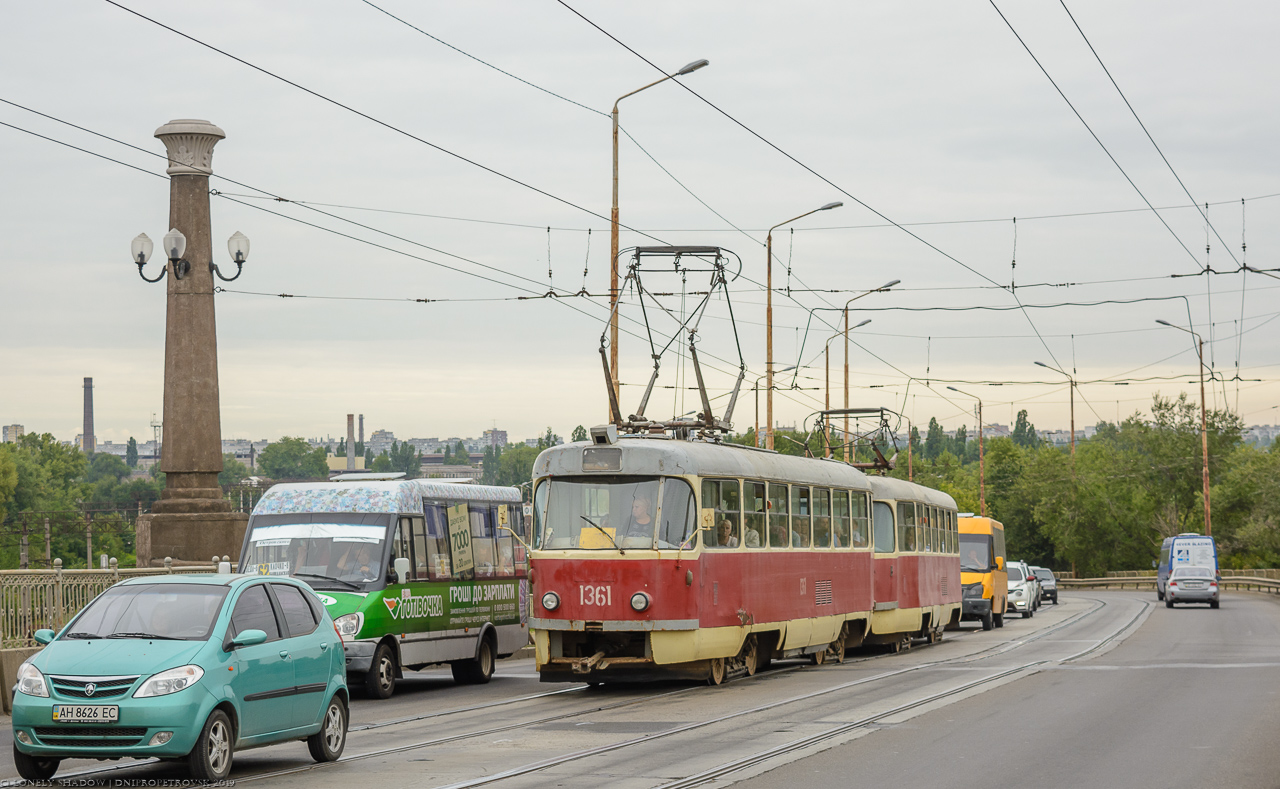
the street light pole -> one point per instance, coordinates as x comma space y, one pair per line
1072, 382
768, 316
613, 227
982, 469
880, 289
1204, 427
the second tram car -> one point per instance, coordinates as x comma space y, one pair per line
656, 557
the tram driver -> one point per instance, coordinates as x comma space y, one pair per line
638, 531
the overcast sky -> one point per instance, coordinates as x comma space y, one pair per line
928, 112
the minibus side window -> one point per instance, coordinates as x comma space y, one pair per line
754, 504
502, 538
906, 526
821, 518
516, 513
482, 542
431, 547
400, 547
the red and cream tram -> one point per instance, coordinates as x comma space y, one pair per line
658, 558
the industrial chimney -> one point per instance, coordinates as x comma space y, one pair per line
87, 442
351, 442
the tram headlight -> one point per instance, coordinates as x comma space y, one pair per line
551, 601
640, 601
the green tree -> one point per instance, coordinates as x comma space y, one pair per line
382, 463
8, 476
233, 471
934, 441
516, 466
548, 439
1024, 433
491, 465
131, 452
293, 458
404, 457
579, 434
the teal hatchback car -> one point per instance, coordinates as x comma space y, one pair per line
190, 667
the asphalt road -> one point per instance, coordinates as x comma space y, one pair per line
1106, 689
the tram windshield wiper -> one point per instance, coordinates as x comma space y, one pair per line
603, 531
327, 578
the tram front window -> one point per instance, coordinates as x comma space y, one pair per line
614, 513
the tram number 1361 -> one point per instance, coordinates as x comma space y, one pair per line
595, 595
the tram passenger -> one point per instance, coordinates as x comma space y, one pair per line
725, 537
822, 533
752, 538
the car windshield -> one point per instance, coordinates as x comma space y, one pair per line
1193, 572
184, 612
1044, 574
614, 513
1015, 573
325, 555
975, 553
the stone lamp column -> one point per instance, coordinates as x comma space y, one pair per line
192, 521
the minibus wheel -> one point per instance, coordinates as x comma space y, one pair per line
999, 620
988, 620
380, 682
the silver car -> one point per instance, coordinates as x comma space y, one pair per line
1024, 590
1048, 583
1191, 585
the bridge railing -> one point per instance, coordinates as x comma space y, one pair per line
1252, 583
34, 599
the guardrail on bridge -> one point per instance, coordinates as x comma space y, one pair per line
35, 599
1149, 582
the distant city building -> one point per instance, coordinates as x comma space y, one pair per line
992, 430
12, 433
495, 438
1262, 435
380, 441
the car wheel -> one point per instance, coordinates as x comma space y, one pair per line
477, 671
34, 768
1027, 614
380, 681
1055, 598
988, 621
1168, 602
326, 745
999, 620
210, 760
1159, 595
1213, 603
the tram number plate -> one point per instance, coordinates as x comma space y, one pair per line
595, 595
79, 713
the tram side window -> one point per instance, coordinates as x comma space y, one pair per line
754, 506
840, 537
678, 520
431, 545
482, 543
821, 518
779, 527
861, 520
906, 526
883, 524
801, 516
931, 526
922, 528
721, 496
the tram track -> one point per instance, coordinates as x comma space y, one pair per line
596, 708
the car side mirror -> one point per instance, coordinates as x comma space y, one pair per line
402, 569
43, 636
249, 638
999, 562
1155, 563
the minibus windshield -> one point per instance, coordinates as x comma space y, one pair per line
975, 553
325, 555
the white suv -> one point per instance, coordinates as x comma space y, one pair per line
1024, 590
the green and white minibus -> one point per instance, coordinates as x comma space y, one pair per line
413, 572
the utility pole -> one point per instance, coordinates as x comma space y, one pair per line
1204, 428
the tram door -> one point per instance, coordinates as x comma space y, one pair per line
886, 558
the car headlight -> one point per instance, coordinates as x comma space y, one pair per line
31, 681
349, 624
1015, 592
640, 601
551, 601
171, 681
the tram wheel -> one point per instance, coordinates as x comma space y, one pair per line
751, 655
818, 658
835, 650
717, 672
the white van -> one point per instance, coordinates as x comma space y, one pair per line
1185, 550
